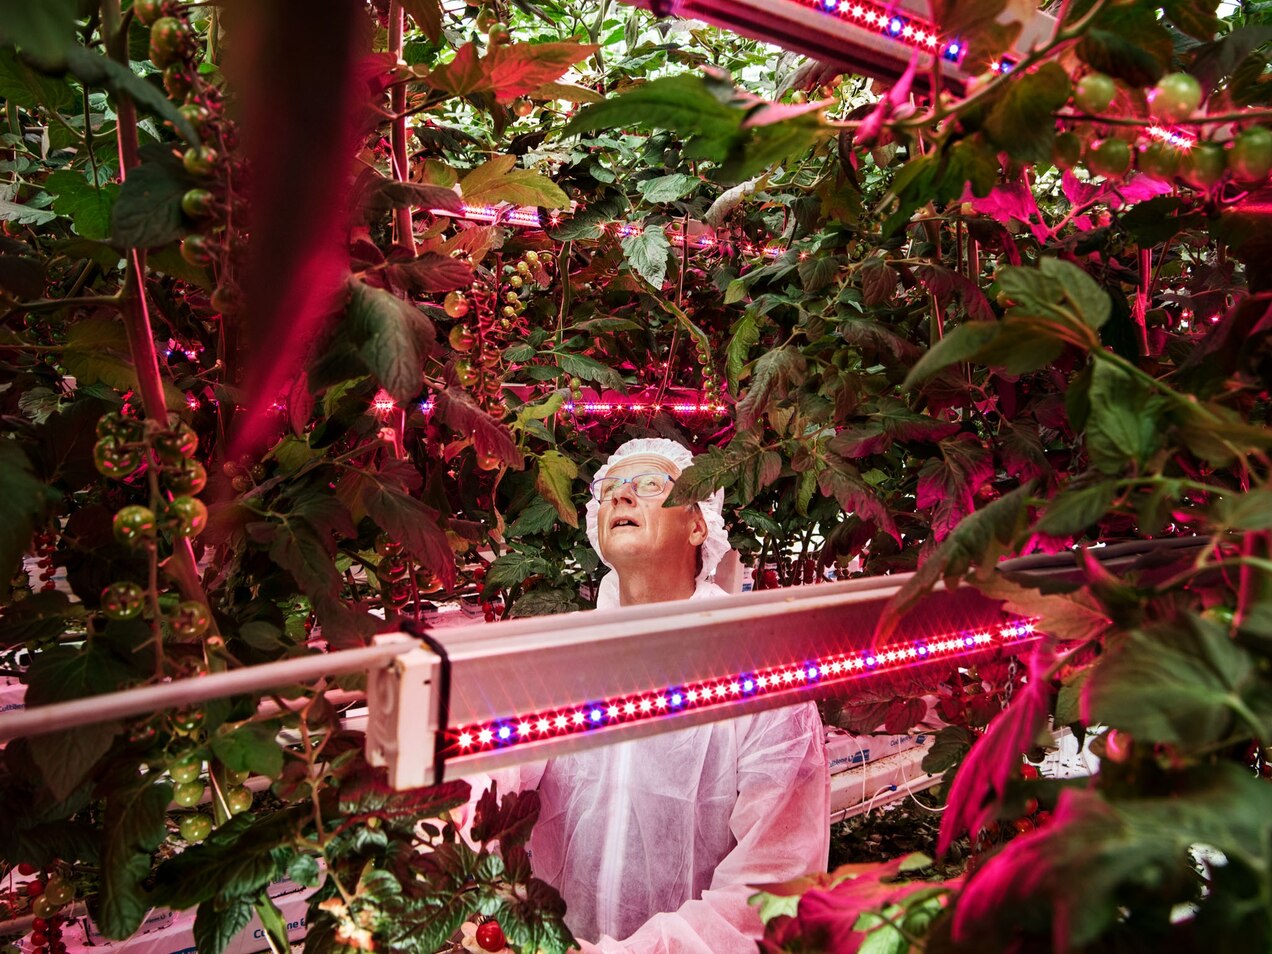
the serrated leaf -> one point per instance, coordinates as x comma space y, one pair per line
538, 517
878, 281
427, 15
646, 252
499, 180
97, 351
774, 373
23, 86
455, 407
134, 827
393, 338
567, 92
93, 69
1121, 426
515, 567
745, 336
40, 616
949, 485
24, 214
1127, 43
817, 271
384, 195
88, 207
251, 747
1179, 681
587, 368
434, 274
683, 104
407, 520
1074, 510
507, 71
65, 758
841, 480
545, 601
554, 479
668, 188
1020, 121
147, 212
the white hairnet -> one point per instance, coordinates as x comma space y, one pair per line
679, 457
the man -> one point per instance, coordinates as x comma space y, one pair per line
654, 843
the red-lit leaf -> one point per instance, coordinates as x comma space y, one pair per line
507, 71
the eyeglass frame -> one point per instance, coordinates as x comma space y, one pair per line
668, 479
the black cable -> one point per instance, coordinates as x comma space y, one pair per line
419, 631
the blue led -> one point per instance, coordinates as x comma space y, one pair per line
676, 699
597, 715
870, 660
748, 684
896, 25
504, 733
922, 650
811, 672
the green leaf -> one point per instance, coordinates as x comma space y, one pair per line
383, 195
668, 188
1021, 122
1122, 426
841, 480
89, 208
515, 567
1179, 681
878, 281
1078, 289
23, 86
773, 135
980, 538
95, 70
24, 214
545, 601
273, 922
251, 747
683, 104
541, 410
774, 373
498, 180
393, 338
404, 518
646, 252
39, 617
65, 758
1074, 510
893, 421
147, 212
817, 271
745, 336
588, 369
963, 343
427, 15
713, 470
1128, 43
134, 827
97, 351
23, 503
951, 743
506, 71
554, 479
217, 923
43, 30
538, 516
456, 408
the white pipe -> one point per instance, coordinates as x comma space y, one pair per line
171, 695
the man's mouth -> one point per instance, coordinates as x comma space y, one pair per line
623, 522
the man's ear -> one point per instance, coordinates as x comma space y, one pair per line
698, 528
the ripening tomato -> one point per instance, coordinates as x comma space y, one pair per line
1094, 93
490, 936
123, 600
134, 523
194, 828
188, 794
1176, 96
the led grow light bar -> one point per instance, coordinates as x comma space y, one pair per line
858, 36
530, 689
724, 690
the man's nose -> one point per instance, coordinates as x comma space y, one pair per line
625, 491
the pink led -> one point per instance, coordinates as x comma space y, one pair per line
723, 690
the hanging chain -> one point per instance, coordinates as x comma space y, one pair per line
1013, 667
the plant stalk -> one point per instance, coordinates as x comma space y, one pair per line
402, 220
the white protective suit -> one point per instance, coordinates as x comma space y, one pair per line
654, 843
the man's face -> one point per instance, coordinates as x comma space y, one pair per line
631, 529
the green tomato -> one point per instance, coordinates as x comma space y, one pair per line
113, 458
194, 828
190, 619
43, 907
123, 600
148, 12
238, 799
185, 770
178, 80
462, 338
1094, 93
498, 35
455, 304
58, 891
1111, 158
175, 445
133, 523
1203, 164
188, 794
233, 776
465, 373
197, 249
186, 477
169, 40
195, 114
1176, 96
1161, 161
197, 203
1067, 151
114, 424
200, 160
188, 516
1250, 157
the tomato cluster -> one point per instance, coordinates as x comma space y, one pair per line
1162, 151
47, 895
